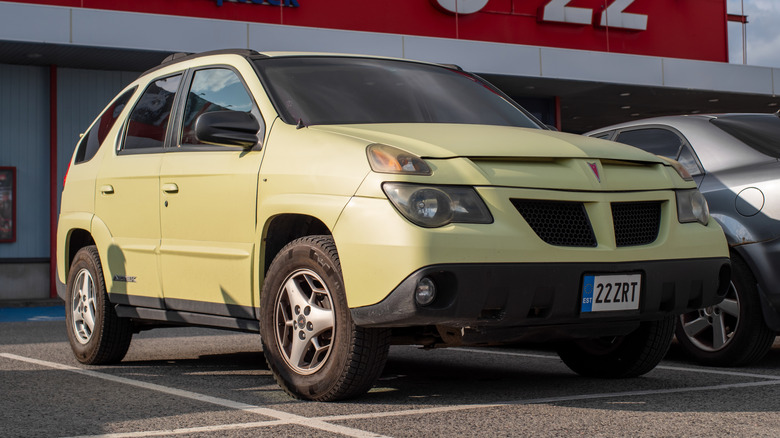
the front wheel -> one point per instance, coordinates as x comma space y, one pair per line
97, 335
631, 355
311, 345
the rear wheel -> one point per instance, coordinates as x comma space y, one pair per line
623, 356
731, 333
96, 334
311, 345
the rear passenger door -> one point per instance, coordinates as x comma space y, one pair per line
127, 198
209, 203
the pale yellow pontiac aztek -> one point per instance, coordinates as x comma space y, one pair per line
337, 204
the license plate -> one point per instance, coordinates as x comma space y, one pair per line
604, 293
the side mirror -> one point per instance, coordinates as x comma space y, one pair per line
227, 128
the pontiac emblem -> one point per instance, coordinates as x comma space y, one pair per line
595, 168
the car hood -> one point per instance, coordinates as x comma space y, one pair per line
482, 141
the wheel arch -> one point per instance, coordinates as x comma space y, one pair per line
72, 231
283, 229
75, 239
78, 238
760, 266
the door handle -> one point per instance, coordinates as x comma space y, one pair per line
170, 188
107, 189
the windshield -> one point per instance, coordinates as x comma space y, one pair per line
343, 90
759, 131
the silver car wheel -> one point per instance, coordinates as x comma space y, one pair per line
83, 306
304, 321
712, 328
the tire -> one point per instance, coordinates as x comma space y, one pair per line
97, 335
624, 356
310, 342
732, 333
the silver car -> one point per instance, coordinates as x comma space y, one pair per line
735, 161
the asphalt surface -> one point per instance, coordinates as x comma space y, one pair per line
197, 382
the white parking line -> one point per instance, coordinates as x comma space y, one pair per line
324, 422
536, 401
659, 367
437, 410
284, 417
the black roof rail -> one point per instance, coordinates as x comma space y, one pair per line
178, 57
174, 56
452, 66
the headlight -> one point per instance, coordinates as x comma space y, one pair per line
436, 206
692, 207
388, 159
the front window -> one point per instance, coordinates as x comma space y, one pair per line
759, 131
213, 89
343, 90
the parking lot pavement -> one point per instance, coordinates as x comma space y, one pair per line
199, 382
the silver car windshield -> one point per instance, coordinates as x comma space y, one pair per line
344, 90
759, 131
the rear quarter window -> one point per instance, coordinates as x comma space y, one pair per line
94, 137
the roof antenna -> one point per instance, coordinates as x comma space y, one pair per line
300, 124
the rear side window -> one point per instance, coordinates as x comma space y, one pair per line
654, 140
148, 123
759, 131
91, 141
213, 89
662, 142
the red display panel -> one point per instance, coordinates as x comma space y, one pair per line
690, 29
7, 204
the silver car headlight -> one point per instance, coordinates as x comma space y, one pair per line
435, 206
692, 207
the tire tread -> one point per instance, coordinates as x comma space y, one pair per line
366, 354
114, 334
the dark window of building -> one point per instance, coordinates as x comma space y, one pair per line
541, 108
90, 143
148, 122
214, 89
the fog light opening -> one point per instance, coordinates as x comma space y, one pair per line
425, 292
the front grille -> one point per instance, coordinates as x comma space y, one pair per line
556, 222
636, 223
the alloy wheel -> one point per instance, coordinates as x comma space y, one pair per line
304, 321
712, 328
83, 306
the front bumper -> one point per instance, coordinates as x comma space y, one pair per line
545, 294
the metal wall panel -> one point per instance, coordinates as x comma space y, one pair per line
81, 96
24, 143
